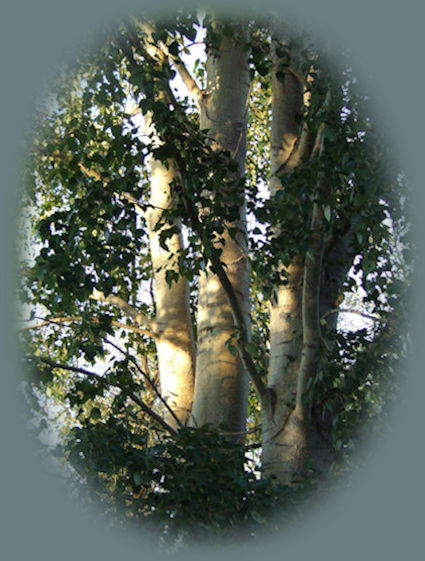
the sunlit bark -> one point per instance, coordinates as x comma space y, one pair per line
221, 387
175, 344
283, 432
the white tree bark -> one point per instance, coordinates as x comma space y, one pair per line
175, 343
284, 433
221, 387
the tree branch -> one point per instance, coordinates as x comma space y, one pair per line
138, 316
351, 311
310, 307
147, 378
311, 288
238, 318
150, 56
54, 364
188, 80
60, 320
90, 374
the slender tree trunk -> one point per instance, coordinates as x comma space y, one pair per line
337, 260
221, 387
175, 343
294, 315
282, 430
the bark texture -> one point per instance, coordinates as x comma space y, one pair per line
221, 387
283, 426
289, 437
175, 343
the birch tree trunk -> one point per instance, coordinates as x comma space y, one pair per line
221, 387
285, 422
175, 342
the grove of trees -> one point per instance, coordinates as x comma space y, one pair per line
207, 201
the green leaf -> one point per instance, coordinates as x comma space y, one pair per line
171, 276
251, 348
281, 76
232, 349
174, 48
138, 478
327, 212
95, 413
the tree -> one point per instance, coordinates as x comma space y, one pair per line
200, 246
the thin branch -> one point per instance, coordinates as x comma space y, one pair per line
139, 317
253, 446
351, 311
240, 325
147, 378
61, 320
152, 414
90, 172
311, 287
90, 374
77, 369
135, 329
248, 431
132, 200
53, 321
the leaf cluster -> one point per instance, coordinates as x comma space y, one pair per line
192, 485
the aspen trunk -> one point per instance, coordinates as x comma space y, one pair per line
175, 343
221, 387
285, 422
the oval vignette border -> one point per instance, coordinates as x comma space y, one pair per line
380, 515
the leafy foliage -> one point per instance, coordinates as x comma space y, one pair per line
190, 486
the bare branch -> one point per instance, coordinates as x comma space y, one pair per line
188, 80
135, 329
152, 414
351, 311
50, 321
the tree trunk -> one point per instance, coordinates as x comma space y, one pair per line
221, 388
337, 261
288, 435
175, 343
